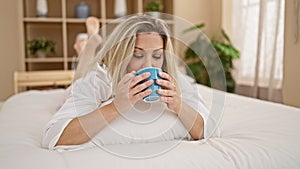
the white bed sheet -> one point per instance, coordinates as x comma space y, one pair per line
253, 134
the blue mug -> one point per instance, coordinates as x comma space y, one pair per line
154, 96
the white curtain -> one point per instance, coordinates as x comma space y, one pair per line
258, 29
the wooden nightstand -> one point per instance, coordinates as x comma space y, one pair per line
42, 78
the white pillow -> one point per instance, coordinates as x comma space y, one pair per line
148, 123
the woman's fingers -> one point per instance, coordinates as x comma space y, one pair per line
137, 79
165, 76
141, 95
166, 81
167, 93
167, 99
127, 78
136, 87
140, 87
168, 96
166, 84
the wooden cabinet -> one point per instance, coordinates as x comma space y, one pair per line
61, 26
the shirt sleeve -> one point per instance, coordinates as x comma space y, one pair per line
191, 97
86, 94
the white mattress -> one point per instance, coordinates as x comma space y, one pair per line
253, 134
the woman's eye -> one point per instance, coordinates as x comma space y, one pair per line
156, 56
136, 55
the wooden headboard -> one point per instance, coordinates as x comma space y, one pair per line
42, 78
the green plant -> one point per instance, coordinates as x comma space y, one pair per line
154, 6
41, 44
226, 54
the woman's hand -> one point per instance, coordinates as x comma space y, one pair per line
169, 93
130, 90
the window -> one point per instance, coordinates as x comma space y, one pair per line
258, 32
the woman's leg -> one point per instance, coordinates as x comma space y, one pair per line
86, 49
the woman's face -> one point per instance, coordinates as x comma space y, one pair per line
148, 52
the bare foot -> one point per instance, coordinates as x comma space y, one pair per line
88, 47
92, 25
80, 42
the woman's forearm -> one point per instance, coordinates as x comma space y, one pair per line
82, 129
192, 121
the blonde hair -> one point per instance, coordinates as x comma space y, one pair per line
118, 49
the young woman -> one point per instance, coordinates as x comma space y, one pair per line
111, 88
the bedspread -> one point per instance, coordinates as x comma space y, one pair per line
252, 134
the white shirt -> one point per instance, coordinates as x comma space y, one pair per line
94, 91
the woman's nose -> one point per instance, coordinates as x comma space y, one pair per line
147, 62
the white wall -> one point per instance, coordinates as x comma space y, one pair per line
198, 11
291, 81
227, 16
9, 46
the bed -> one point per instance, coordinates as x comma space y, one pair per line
252, 134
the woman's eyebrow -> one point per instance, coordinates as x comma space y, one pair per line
138, 48
157, 49
144, 49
